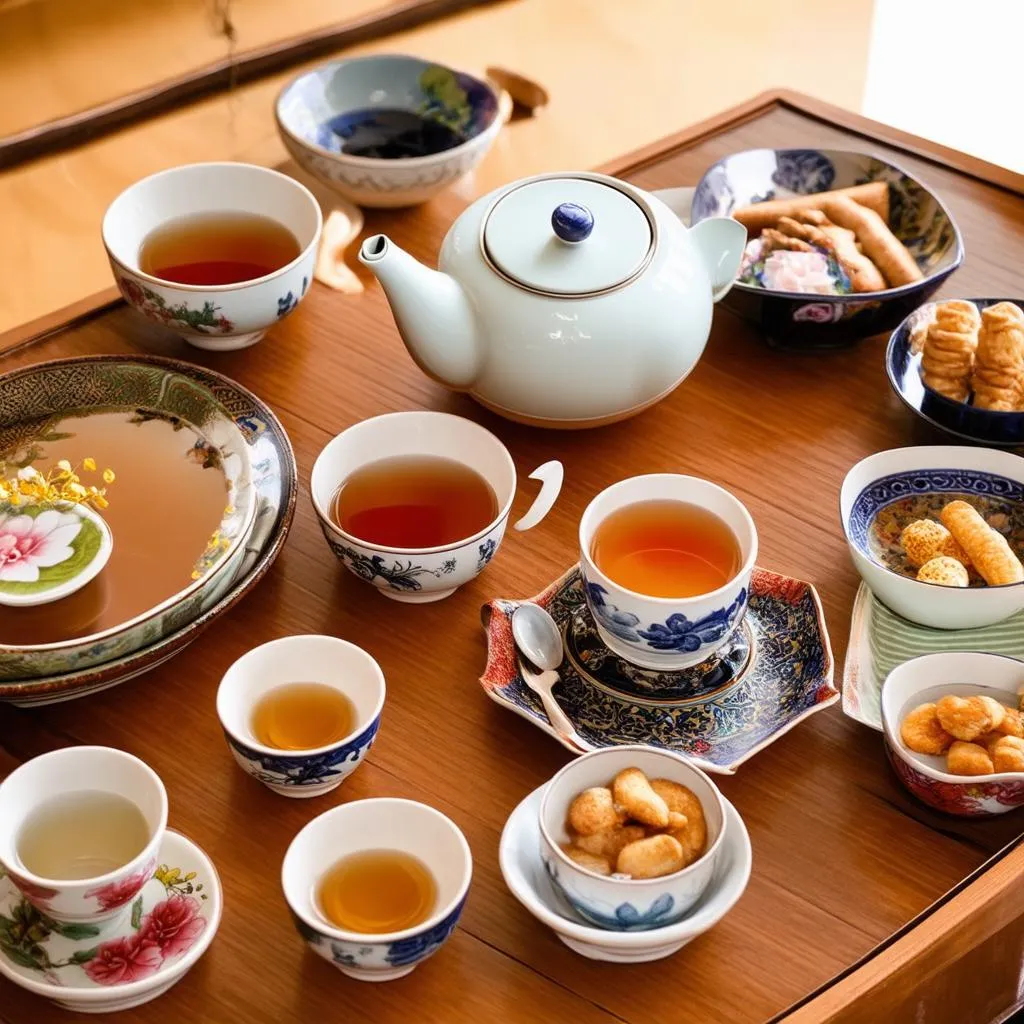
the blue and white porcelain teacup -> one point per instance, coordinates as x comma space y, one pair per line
301, 659
667, 633
404, 826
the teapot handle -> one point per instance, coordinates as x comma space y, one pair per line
550, 475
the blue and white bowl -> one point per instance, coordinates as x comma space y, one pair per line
903, 366
301, 659
926, 478
917, 218
614, 902
667, 633
379, 824
314, 118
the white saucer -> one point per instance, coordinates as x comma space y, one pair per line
126, 961
523, 870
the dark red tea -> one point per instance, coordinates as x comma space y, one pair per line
414, 501
217, 248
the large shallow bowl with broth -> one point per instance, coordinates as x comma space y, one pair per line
182, 505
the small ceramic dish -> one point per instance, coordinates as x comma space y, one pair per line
886, 491
917, 217
327, 660
323, 108
377, 824
170, 924
614, 901
927, 678
775, 672
528, 880
903, 367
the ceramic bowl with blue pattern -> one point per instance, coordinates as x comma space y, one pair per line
667, 633
884, 492
917, 217
377, 824
903, 366
424, 124
301, 659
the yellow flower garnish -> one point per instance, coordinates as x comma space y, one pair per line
61, 484
64, 466
88, 463
108, 474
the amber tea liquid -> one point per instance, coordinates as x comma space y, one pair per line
301, 716
666, 548
377, 891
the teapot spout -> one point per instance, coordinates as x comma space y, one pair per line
433, 315
720, 241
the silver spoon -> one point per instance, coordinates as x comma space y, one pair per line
539, 641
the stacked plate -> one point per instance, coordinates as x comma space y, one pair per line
202, 501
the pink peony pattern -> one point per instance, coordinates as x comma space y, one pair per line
38, 895
819, 312
117, 894
28, 545
120, 961
174, 925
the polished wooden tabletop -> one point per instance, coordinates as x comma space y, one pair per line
843, 858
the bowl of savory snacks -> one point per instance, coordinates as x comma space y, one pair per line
959, 364
630, 836
842, 245
937, 533
954, 731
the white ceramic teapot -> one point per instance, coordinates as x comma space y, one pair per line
563, 300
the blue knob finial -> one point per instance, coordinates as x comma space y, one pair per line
572, 222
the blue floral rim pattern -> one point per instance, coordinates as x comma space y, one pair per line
926, 481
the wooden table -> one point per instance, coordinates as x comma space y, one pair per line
863, 905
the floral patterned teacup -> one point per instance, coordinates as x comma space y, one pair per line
418, 575
73, 770
301, 659
667, 633
379, 824
218, 317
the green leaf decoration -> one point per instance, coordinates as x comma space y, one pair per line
137, 913
83, 956
75, 931
20, 957
84, 549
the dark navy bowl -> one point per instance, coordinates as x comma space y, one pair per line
966, 421
795, 320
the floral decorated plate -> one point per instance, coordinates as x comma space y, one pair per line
128, 960
776, 671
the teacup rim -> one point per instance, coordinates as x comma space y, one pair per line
706, 856
502, 514
354, 734
667, 602
320, 924
141, 858
215, 288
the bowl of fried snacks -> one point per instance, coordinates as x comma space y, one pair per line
959, 364
937, 533
842, 245
954, 730
630, 836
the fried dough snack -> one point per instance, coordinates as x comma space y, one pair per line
594, 811
633, 793
945, 571
1012, 724
922, 320
651, 857
987, 548
693, 838
998, 380
968, 759
590, 861
758, 216
967, 718
608, 844
925, 539
1007, 754
947, 359
922, 731
880, 245
812, 226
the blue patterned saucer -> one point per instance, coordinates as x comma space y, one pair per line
777, 671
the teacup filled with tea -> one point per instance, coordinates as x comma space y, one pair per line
218, 252
300, 713
80, 829
666, 561
377, 886
416, 503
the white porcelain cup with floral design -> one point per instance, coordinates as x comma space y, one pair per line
667, 633
419, 575
218, 317
79, 770
405, 826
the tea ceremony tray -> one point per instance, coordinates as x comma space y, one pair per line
862, 906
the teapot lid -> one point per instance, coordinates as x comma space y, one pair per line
568, 235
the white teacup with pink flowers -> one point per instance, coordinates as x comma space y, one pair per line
73, 770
